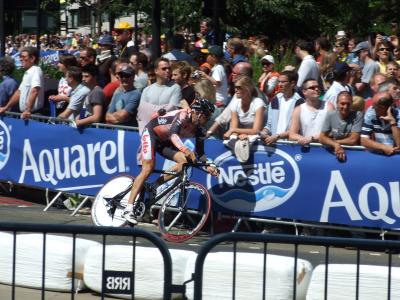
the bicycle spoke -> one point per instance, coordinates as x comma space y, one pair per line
179, 222
174, 221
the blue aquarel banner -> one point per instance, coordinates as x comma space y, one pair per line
287, 181
47, 57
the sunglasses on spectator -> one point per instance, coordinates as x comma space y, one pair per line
166, 68
238, 87
265, 63
124, 75
383, 49
119, 32
313, 87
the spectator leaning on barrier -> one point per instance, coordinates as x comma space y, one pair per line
247, 119
123, 107
380, 131
78, 93
281, 109
164, 93
8, 84
342, 126
64, 90
139, 62
308, 117
223, 120
93, 105
30, 94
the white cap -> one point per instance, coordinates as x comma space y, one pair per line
268, 58
341, 34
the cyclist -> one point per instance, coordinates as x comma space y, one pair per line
163, 134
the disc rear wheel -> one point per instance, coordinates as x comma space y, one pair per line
104, 213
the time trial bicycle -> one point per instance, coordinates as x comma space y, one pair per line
183, 205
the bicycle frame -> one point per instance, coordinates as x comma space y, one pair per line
182, 177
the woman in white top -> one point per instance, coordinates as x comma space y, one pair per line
247, 118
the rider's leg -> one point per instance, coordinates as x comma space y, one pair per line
180, 159
147, 169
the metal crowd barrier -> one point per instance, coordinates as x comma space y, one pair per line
231, 242
104, 232
390, 248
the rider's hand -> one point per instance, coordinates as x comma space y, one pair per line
213, 171
190, 156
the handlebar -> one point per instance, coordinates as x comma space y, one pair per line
199, 164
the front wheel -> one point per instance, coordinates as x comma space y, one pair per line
105, 213
179, 217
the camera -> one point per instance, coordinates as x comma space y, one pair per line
195, 75
386, 38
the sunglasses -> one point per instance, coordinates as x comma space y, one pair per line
119, 32
238, 87
124, 75
313, 87
165, 68
383, 49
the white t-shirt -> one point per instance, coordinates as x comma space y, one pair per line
218, 73
64, 90
334, 90
308, 70
246, 119
33, 77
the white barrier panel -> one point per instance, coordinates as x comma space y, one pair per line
29, 260
149, 268
218, 276
373, 282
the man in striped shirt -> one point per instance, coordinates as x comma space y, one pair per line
380, 131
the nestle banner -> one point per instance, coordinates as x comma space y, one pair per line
303, 183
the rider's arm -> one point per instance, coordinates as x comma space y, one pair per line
200, 137
175, 130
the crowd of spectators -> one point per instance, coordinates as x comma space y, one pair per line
344, 91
